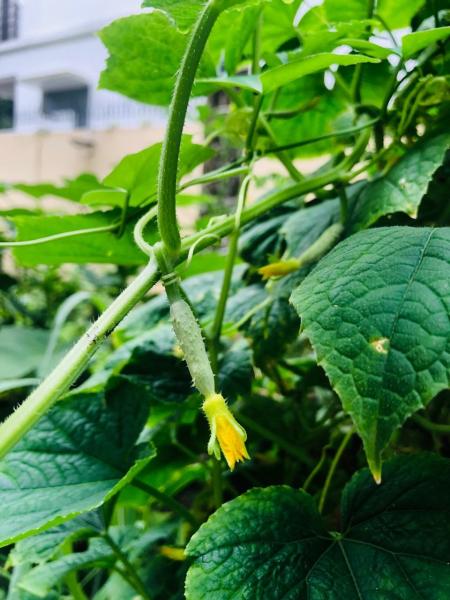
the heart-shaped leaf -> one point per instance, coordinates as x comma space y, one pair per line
78, 455
376, 310
403, 187
272, 543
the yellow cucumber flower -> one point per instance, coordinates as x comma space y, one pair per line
280, 268
226, 433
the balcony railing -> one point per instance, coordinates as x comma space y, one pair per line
9, 20
98, 116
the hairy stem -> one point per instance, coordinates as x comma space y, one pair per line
167, 176
75, 361
257, 209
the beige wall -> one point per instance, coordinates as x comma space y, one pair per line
51, 156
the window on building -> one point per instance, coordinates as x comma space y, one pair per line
9, 20
6, 105
58, 102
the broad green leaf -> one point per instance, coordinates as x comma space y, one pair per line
277, 77
142, 318
145, 53
182, 13
338, 11
46, 545
235, 370
16, 593
43, 578
413, 42
104, 247
403, 187
376, 310
169, 473
272, 542
278, 26
7, 385
150, 362
325, 109
261, 238
77, 456
204, 263
73, 189
21, 350
319, 36
240, 303
398, 13
190, 199
110, 197
374, 84
244, 24
245, 82
268, 319
105, 197
203, 291
153, 363
368, 48
284, 74
305, 226
137, 173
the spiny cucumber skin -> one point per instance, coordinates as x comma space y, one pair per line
189, 336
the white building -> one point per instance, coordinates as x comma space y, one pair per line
50, 60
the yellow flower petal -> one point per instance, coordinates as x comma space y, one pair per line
279, 269
225, 431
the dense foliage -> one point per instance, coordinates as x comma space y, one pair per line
323, 299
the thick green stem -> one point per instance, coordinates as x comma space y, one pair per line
67, 371
75, 361
138, 231
225, 226
167, 179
